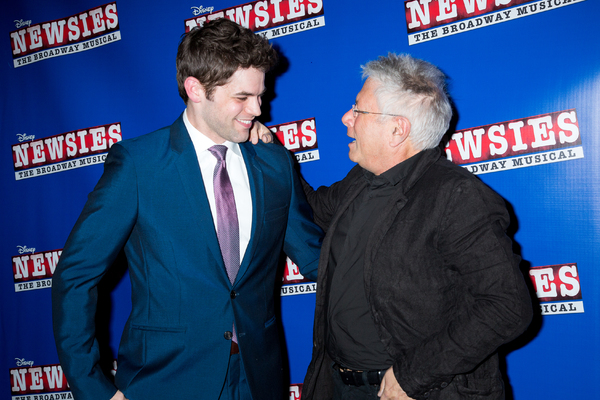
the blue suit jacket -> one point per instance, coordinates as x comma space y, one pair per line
151, 202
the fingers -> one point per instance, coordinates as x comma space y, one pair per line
381, 388
266, 137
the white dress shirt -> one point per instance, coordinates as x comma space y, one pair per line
236, 168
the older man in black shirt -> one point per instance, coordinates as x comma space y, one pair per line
418, 285
352, 336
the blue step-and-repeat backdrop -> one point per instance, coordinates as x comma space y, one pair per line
78, 76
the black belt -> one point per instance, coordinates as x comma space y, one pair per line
359, 378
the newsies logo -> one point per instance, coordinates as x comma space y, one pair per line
84, 31
424, 18
29, 382
65, 151
33, 270
296, 391
519, 143
299, 137
294, 282
558, 288
270, 19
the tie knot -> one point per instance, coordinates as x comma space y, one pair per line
218, 150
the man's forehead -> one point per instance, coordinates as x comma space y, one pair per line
248, 82
366, 92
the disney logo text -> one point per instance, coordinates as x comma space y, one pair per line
23, 137
25, 249
202, 10
21, 362
20, 23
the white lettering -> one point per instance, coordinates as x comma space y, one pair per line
447, 10
54, 31
240, 15
262, 16
290, 133
309, 137
565, 126
568, 280
419, 14
542, 132
296, 9
544, 285
470, 146
497, 129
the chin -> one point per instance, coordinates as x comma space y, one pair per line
241, 137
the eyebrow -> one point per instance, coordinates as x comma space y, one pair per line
250, 94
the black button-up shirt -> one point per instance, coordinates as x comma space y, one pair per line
352, 339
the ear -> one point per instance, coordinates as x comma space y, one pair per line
194, 89
401, 131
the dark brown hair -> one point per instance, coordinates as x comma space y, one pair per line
214, 52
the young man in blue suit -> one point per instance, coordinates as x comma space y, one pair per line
203, 274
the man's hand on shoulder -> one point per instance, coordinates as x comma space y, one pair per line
390, 388
119, 396
259, 131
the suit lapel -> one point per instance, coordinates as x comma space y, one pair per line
257, 188
193, 186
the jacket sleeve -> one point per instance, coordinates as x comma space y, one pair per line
94, 243
326, 199
494, 307
302, 237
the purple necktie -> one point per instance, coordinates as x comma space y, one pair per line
228, 231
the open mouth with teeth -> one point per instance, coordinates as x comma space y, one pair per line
247, 123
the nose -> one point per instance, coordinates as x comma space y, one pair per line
253, 106
348, 118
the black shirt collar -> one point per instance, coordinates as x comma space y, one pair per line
394, 175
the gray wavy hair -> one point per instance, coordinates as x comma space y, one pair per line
416, 90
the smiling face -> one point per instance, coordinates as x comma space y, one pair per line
370, 147
229, 114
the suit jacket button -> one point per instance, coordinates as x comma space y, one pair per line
233, 294
228, 335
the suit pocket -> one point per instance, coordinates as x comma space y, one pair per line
148, 348
152, 328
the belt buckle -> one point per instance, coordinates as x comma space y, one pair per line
350, 377
374, 377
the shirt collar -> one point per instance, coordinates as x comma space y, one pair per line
202, 142
394, 175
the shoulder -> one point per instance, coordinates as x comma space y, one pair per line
445, 180
145, 149
269, 155
339, 188
439, 171
269, 150
147, 141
